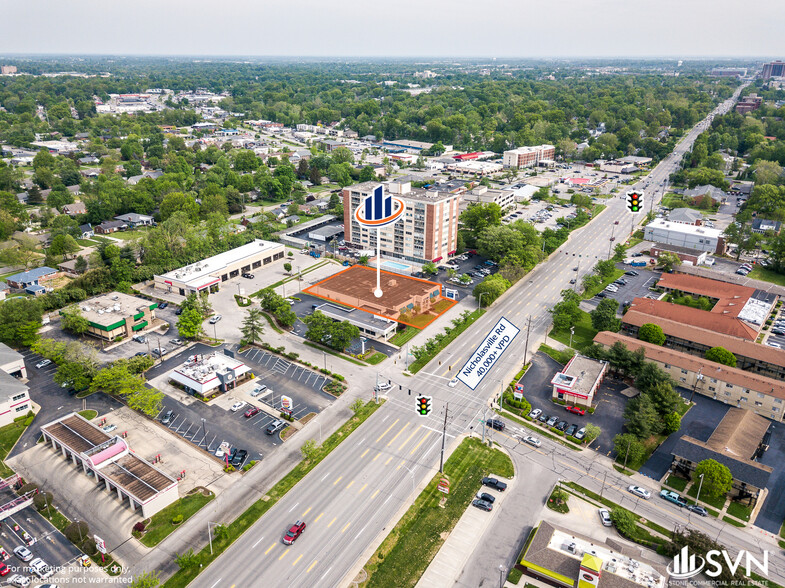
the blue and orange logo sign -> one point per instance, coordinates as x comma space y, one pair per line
379, 209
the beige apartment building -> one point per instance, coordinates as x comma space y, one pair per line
528, 156
428, 230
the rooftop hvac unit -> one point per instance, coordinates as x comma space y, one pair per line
117, 307
115, 297
85, 308
100, 312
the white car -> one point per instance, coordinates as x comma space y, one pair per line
535, 413
222, 450
605, 517
40, 568
109, 428
159, 351
773, 344
238, 405
19, 580
215, 319
532, 441
639, 492
43, 363
383, 386
452, 383
23, 553
258, 390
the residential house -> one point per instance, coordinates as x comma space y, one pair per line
716, 194
278, 213
4, 289
31, 278
153, 175
134, 220
762, 225
89, 160
86, 231
110, 227
685, 216
75, 209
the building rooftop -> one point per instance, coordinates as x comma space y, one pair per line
560, 550
660, 224
720, 323
8, 355
203, 368
762, 224
32, 275
355, 314
693, 363
201, 273
580, 374
108, 309
133, 217
326, 232
684, 215
677, 249
723, 291
10, 387
529, 149
403, 189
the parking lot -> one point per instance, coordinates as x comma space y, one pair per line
773, 338
207, 426
636, 286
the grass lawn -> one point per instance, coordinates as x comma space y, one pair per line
419, 321
766, 275
584, 333
740, 511
242, 523
424, 527
89, 414
443, 305
733, 522
717, 503
423, 361
561, 356
612, 278
558, 501
129, 235
676, 483
86, 242
401, 337
376, 358
161, 526
323, 187
9, 435
672, 200
101, 239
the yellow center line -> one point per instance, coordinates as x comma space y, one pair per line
377, 456
365, 452
388, 430
349, 485
397, 434
374, 495
294, 563
416, 447
363, 488
305, 513
346, 527
320, 516
283, 554
338, 480
331, 522
399, 466
409, 438
389, 459
269, 549
310, 567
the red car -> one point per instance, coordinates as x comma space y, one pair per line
576, 410
294, 532
4, 569
251, 412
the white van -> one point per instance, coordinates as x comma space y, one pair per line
258, 390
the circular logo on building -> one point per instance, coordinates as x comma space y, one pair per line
379, 209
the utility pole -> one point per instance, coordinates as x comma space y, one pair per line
629, 442
444, 436
526, 346
603, 483
698, 378
484, 415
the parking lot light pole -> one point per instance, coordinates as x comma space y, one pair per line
209, 534
204, 429
572, 332
324, 354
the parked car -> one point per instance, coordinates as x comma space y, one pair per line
486, 497
179, 311
222, 450
639, 492
109, 428
495, 424
239, 458
176, 342
140, 338
482, 505
253, 411
163, 304
551, 422
248, 276
43, 363
544, 418
535, 413
631, 273
274, 427
562, 425
40, 568
673, 497
238, 405
168, 415
600, 295
570, 431
495, 484
4, 569
19, 580
140, 354
159, 351
580, 433
23, 553
773, 344
294, 532
258, 390
215, 319
576, 410
697, 510
605, 517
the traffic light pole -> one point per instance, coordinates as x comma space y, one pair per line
444, 435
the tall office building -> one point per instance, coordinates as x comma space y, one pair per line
428, 230
528, 156
774, 69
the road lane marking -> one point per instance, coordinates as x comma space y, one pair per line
349, 485
305, 513
331, 522
391, 441
216, 583
377, 456
283, 554
409, 438
388, 430
257, 543
365, 452
269, 549
295, 506
399, 466
346, 527
416, 447
338, 480
363, 488
389, 459
325, 476
374, 495
310, 567
294, 563
320, 516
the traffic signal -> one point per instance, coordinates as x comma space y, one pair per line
635, 202
423, 405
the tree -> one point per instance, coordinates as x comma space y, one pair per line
591, 432
253, 325
672, 422
651, 333
668, 261
591, 282
146, 580
309, 449
490, 289
625, 522
20, 319
340, 173
603, 318
767, 172
187, 560
71, 320
357, 405
649, 375
64, 245
567, 312
628, 449
363, 260
179, 202
146, 400
605, 268
335, 202
717, 479
430, 268
287, 267
741, 235
342, 155
465, 279
619, 252
479, 216
190, 323
81, 265
664, 397
721, 355
641, 417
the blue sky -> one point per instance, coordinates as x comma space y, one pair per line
479, 28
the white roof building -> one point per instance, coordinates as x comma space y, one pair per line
204, 374
693, 237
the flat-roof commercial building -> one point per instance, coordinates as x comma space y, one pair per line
561, 557
485, 195
734, 443
205, 375
689, 236
369, 324
475, 168
428, 230
207, 275
760, 394
579, 380
323, 234
14, 398
528, 156
117, 315
773, 69
683, 253
110, 462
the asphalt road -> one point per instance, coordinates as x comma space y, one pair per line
349, 498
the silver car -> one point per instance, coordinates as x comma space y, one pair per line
639, 492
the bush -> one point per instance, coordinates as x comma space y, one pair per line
624, 521
28, 488
76, 532
177, 519
139, 527
42, 499
229, 469
89, 546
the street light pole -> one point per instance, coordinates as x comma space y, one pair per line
572, 332
479, 299
324, 354
502, 569
700, 485
209, 535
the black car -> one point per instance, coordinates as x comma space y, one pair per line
777, 332
486, 497
167, 417
543, 418
247, 275
631, 273
571, 430
495, 484
495, 424
239, 458
232, 455
140, 354
482, 505
163, 304
562, 425
600, 295
179, 311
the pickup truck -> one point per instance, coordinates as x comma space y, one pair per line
673, 497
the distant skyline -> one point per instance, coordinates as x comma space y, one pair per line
407, 28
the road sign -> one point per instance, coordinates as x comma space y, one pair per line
286, 402
423, 405
517, 395
99, 544
635, 201
488, 353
